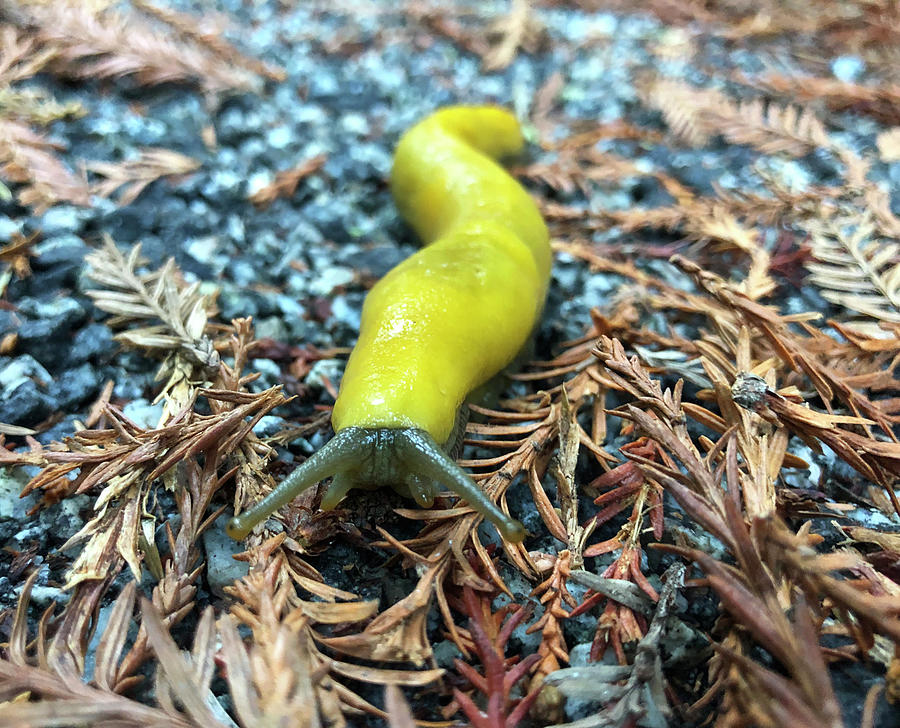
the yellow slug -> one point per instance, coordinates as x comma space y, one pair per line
440, 324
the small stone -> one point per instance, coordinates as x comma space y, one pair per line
7, 228
66, 310
9, 322
235, 229
75, 386
46, 340
42, 596
270, 373
12, 482
268, 426
64, 519
445, 652
280, 137
26, 405
207, 250
222, 182
330, 278
290, 307
221, 568
62, 219
92, 343
258, 181
580, 655
22, 368
347, 310
143, 414
271, 327
332, 369
848, 68
68, 250
355, 123
59, 431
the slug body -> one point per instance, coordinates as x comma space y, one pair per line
440, 324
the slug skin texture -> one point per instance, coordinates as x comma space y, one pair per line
452, 316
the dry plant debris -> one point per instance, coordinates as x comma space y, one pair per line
661, 453
96, 40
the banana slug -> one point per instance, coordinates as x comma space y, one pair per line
440, 324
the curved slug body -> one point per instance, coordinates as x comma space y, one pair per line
440, 324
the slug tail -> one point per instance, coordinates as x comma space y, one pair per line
338, 455
491, 130
422, 455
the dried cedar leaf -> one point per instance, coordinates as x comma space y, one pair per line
134, 175
172, 664
109, 650
857, 268
397, 709
29, 158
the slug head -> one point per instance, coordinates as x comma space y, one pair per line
407, 459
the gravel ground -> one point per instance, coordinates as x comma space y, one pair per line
357, 77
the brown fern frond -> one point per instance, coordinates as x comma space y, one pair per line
685, 108
36, 106
520, 28
773, 129
856, 268
830, 383
20, 55
501, 675
284, 674
190, 359
27, 158
135, 174
881, 101
66, 695
286, 182
104, 43
207, 33
695, 115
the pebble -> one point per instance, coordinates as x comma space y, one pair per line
322, 369
221, 568
7, 228
66, 249
62, 219
330, 278
16, 371
270, 373
92, 343
271, 327
848, 68
75, 386
143, 413
25, 405
12, 481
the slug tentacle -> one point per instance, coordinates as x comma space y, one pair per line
406, 458
339, 454
341, 484
421, 454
